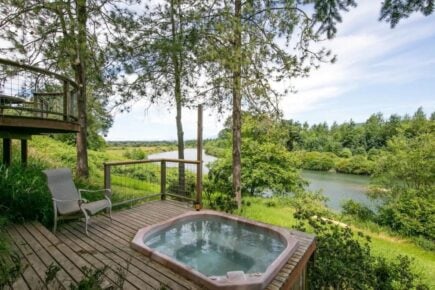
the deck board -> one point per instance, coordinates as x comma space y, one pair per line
108, 245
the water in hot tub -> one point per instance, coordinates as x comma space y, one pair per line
215, 246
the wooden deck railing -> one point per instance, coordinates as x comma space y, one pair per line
149, 178
33, 92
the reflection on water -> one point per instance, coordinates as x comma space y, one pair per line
336, 187
339, 187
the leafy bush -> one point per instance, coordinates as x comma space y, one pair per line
355, 165
357, 210
373, 154
173, 183
135, 154
360, 151
412, 213
407, 172
318, 161
343, 260
24, 194
220, 201
345, 153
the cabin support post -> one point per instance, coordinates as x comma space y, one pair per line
7, 151
24, 151
198, 203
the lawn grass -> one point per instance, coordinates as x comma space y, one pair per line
382, 244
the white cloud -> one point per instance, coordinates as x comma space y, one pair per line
369, 52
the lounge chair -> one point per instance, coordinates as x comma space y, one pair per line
67, 200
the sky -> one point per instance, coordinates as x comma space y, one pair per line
378, 69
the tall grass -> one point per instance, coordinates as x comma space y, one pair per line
24, 194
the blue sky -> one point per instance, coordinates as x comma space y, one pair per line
378, 70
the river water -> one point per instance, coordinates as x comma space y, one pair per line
336, 187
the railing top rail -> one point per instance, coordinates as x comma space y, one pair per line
152, 161
37, 69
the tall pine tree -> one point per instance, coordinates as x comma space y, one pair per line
250, 47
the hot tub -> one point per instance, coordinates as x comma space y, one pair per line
217, 250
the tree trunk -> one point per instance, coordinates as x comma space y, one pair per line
180, 138
176, 61
237, 104
80, 77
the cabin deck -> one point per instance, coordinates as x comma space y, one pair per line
108, 245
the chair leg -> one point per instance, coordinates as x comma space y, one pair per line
54, 217
110, 213
86, 220
55, 224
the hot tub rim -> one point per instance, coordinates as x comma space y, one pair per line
291, 245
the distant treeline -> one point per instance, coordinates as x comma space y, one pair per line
349, 147
187, 143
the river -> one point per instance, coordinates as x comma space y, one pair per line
336, 187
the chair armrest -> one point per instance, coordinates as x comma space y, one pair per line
107, 191
79, 201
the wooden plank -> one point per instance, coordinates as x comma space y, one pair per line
137, 277
63, 279
155, 214
152, 214
65, 257
122, 248
33, 272
95, 258
20, 283
37, 125
124, 245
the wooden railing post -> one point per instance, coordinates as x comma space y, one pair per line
198, 204
163, 179
66, 100
107, 180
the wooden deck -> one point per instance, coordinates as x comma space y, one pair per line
108, 245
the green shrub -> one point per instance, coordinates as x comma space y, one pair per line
344, 260
412, 213
24, 194
318, 161
357, 210
345, 153
373, 154
135, 154
173, 183
355, 165
220, 201
360, 151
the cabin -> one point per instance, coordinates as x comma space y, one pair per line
34, 101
